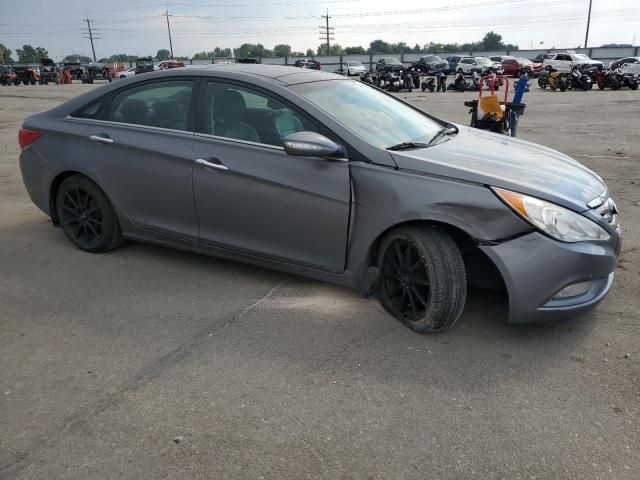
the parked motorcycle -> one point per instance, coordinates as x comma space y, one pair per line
406, 80
367, 77
580, 77
460, 84
415, 75
553, 79
619, 77
389, 81
437, 81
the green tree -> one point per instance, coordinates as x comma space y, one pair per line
309, 53
79, 58
5, 55
252, 50
334, 49
379, 46
354, 51
163, 54
491, 41
282, 50
28, 54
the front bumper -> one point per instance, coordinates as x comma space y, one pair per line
535, 268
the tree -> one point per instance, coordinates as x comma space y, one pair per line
75, 58
28, 54
491, 41
379, 46
309, 53
163, 54
354, 51
334, 49
5, 55
282, 50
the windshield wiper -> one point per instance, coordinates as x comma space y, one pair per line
441, 133
407, 145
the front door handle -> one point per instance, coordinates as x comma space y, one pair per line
215, 163
101, 138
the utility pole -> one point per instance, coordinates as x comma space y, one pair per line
166, 14
326, 32
89, 33
586, 37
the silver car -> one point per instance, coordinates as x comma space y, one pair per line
315, 174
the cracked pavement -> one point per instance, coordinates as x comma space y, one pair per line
105, 359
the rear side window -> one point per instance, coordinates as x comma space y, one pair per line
90, 110
161, 104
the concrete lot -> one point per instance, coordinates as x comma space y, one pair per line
105, 359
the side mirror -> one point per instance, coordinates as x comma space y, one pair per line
311, 144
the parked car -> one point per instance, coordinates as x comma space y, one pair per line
514, 66
389, 64
500, 58
436, 204
453, 61
626, 60
127, 73
468, 64
431, 63
541, 57
563, 62
353, 67
309, 63
166, 64
144, 65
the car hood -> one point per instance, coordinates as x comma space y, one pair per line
501, 161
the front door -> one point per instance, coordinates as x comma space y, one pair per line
253, 197
141, 149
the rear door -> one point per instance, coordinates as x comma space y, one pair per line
254, 198
141, 148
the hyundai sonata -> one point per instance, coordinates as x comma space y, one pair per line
315, 174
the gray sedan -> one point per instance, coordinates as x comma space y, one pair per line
314, 174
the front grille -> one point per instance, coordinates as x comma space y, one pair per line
609, 213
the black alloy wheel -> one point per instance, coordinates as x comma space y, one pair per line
406, 279
86, 216
422, 277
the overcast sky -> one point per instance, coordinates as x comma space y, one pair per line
136, 26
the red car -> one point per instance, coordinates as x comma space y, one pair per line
512, 66
170, 64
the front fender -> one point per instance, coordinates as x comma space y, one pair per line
385, 198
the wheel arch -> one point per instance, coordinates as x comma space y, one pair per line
53, 191
482, 272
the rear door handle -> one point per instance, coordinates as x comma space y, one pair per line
215, 163
101, 139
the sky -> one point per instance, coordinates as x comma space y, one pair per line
137, 27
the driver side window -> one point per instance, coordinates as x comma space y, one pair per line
245, 114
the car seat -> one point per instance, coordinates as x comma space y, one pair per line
229, 108
134, 111
285, 121
168, 114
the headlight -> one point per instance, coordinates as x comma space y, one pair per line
554, 220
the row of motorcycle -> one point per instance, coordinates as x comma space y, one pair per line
584, 77
412, 77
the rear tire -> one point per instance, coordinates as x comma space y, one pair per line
423, 280
562, 85
86, 215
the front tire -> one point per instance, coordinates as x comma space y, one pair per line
423, 280
86, 215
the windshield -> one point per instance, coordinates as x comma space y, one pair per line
392, 61
376, 117
483, 61
354, 64
432, 58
